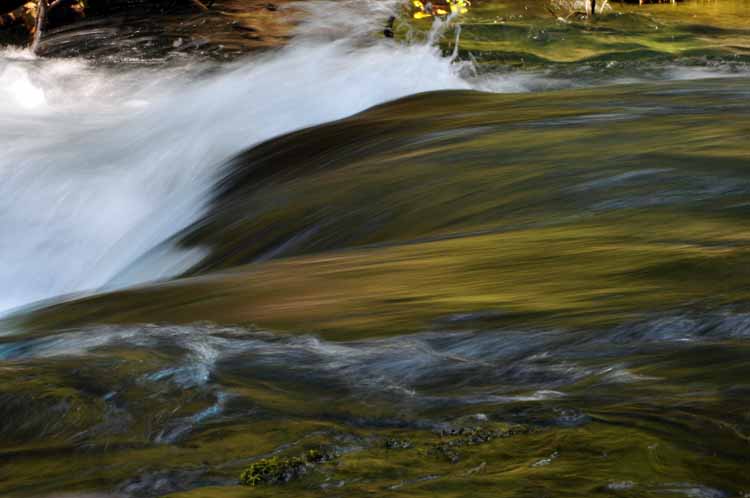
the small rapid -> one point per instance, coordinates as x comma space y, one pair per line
100, 166
414, 367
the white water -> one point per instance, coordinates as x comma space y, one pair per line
98, 168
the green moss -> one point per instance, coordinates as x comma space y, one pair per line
278, 470
273, 470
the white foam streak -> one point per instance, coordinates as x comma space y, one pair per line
99, 168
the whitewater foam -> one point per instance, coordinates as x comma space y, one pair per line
101, 167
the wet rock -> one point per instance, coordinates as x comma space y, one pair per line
546, 460
455, 438
279, 470
446, 452
318, 455
620, 485
273, 470
397, 444
570, 417
479, 434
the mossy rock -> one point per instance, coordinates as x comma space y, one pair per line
278, 470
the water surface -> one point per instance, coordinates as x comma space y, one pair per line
523, 272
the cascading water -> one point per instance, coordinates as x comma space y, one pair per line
455, 292
101, 166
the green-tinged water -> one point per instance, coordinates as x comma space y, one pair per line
623, 43
453, 294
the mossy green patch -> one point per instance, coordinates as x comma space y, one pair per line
278, 470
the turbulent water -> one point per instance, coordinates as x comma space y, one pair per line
522, 273
121, 159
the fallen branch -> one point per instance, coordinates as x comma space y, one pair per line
41, 19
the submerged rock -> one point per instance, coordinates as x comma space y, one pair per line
397, 444
454, 438
278, 470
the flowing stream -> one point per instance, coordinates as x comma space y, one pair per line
502, 259
122, 159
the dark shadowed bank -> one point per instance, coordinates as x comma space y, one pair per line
139, 30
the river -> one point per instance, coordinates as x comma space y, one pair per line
505, 259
